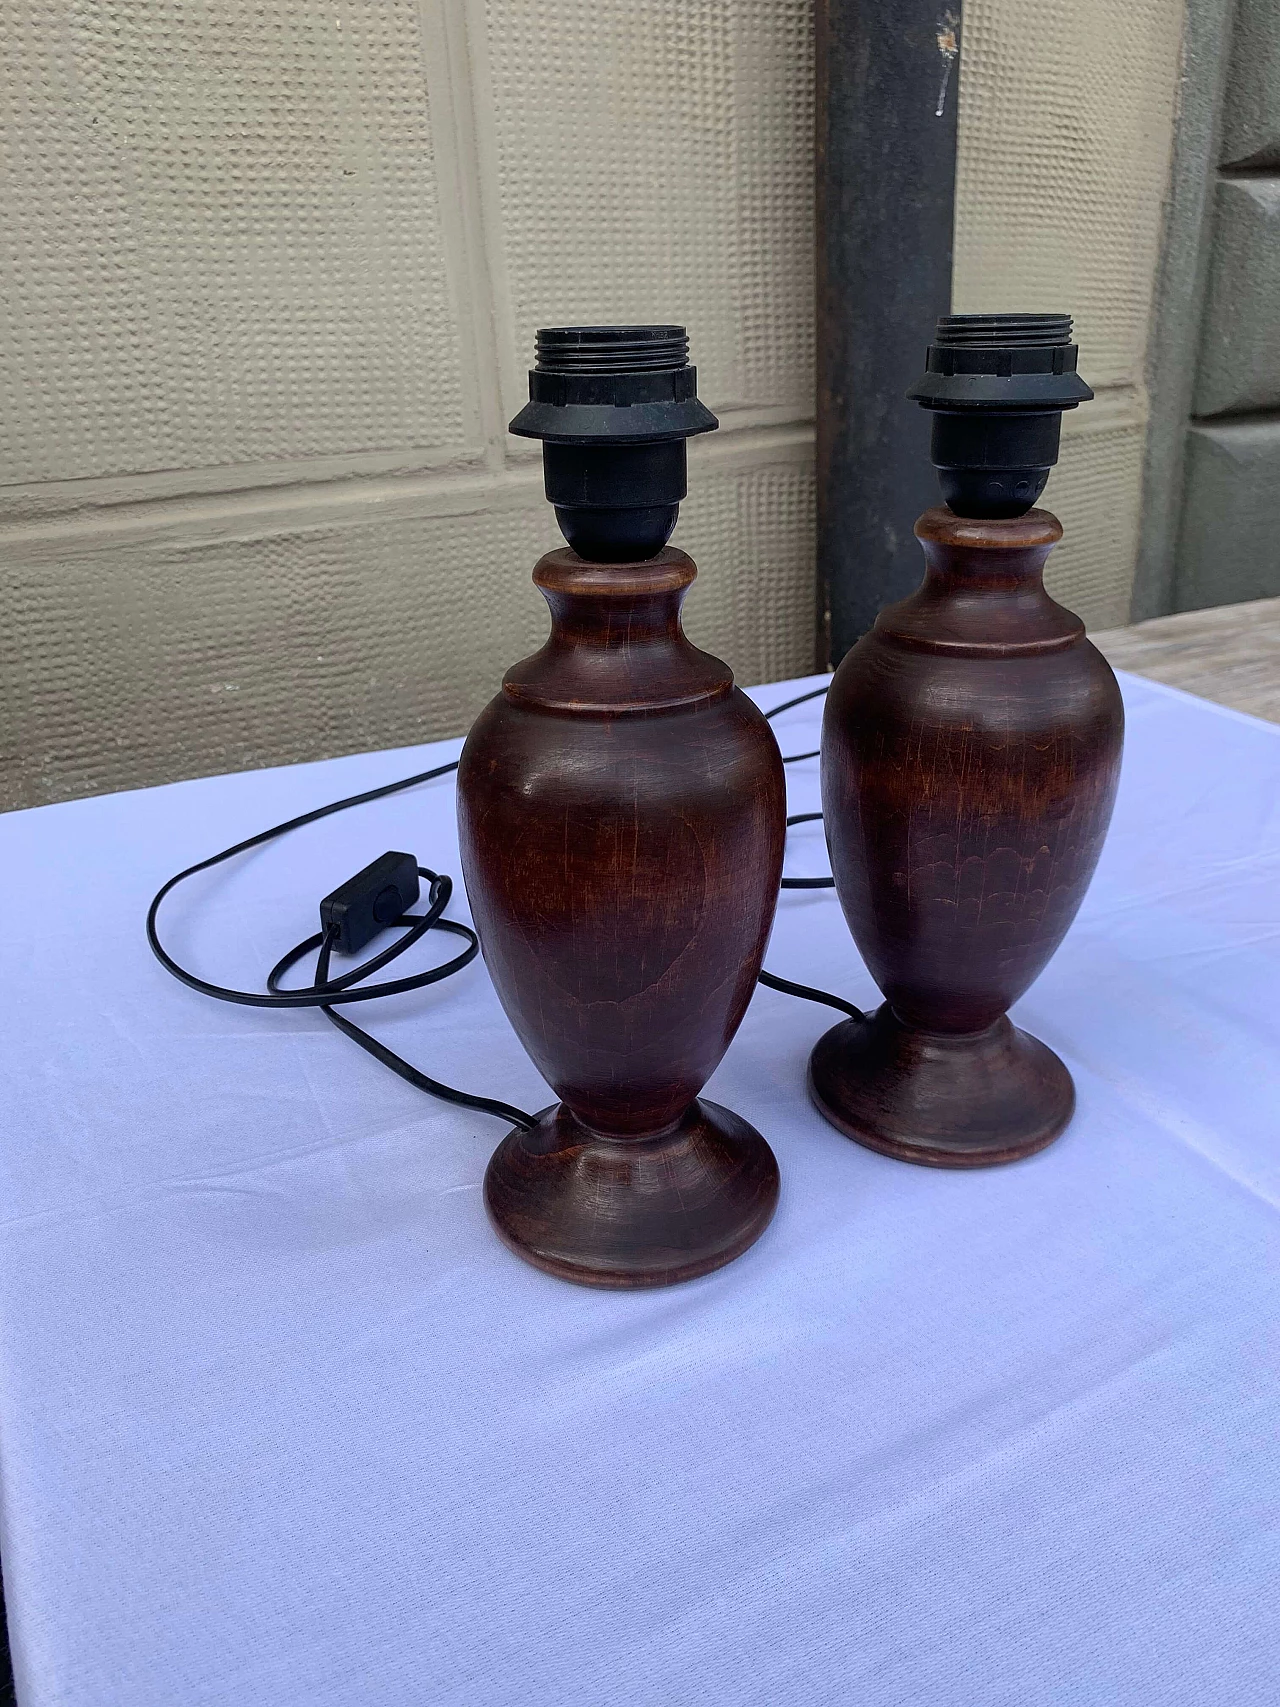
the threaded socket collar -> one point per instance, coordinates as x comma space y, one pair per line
1001, 361
612, 385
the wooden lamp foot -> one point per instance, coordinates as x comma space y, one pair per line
615, 1211
945, 1100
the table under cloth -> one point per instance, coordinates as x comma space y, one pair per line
281, 1421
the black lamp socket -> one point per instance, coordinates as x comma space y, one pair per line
997, 385
613, 406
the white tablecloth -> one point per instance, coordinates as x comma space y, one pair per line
282, 1422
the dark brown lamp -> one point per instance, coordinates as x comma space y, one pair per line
622, 814
970, 755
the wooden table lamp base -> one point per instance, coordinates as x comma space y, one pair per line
970, 753
632, 1212
622, 813
948, 1101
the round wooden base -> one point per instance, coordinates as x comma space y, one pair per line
629, 1212
968, 1101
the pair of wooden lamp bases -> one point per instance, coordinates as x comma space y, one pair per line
622, 812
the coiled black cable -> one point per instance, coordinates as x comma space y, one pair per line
327, 993
802, 817
323, 941
770, 980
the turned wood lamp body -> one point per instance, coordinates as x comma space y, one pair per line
970, 755
621, 812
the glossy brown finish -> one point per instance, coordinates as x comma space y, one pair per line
970, 755
621, 815
566, 1198
947, 1100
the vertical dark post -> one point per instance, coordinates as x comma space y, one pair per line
888, 85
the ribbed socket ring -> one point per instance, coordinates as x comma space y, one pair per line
1004, 331
611, 349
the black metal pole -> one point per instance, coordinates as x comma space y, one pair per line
888, 84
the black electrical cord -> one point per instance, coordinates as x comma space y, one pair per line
324, 940
770, 980
789, 705
806, 882
326, 992
802, 817
302, 998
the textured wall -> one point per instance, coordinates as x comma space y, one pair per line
1066, 125
1228, 551
1228, 546
1251, 120
271, 271
1239, 369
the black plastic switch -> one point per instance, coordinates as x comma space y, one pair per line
370, 901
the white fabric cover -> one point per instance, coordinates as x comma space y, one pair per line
282, 1422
